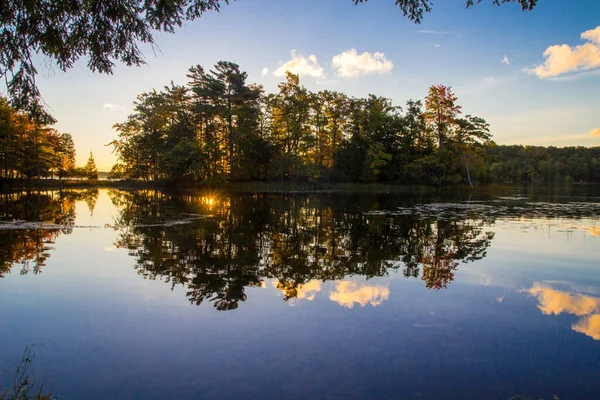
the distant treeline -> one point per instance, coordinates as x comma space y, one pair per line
535, 164
219, 128
29, 149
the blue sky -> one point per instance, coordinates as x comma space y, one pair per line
559, 104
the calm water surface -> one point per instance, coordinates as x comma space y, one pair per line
150, 295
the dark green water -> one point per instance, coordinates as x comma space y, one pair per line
150, 295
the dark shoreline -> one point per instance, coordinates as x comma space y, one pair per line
267, 186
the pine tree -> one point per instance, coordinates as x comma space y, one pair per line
90, 170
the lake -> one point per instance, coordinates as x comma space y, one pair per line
208, 295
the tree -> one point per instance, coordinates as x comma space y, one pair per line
472, 134
90, 171
291, 128
66, 155
219, 128
441, 111
29, 149
237, 105
416, 9
106, 32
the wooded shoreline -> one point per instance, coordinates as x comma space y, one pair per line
267, 186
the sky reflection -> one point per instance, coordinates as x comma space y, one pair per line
294, 292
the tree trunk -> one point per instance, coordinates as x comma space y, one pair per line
468, 174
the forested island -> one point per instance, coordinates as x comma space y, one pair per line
219, 128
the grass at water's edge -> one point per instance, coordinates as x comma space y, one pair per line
23, 384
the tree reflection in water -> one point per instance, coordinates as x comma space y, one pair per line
28, 249
218, 246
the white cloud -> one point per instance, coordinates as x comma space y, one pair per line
351, 64
430, 32
347, 293
303, 66
112, 107
265, 71
562, 59
555, 302
589, 326
505, 60
595, 132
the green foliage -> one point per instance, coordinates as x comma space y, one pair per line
219, 128
208, 130
549, 165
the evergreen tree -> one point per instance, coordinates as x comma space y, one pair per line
90, 171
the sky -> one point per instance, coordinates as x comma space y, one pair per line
533, 76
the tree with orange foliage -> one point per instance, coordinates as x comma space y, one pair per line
441, 112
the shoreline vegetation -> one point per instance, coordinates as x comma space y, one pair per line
267, 186
23, 384
219, 131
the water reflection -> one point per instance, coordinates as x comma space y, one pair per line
218, 246
555, 302
347, 293
231, 243
31, 223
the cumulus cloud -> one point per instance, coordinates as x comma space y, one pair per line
265, 71
552, 301
505, 60
595, 132
589, 326
303, 66
562, 59
347, 293
555, 302
351, 64
112, 107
